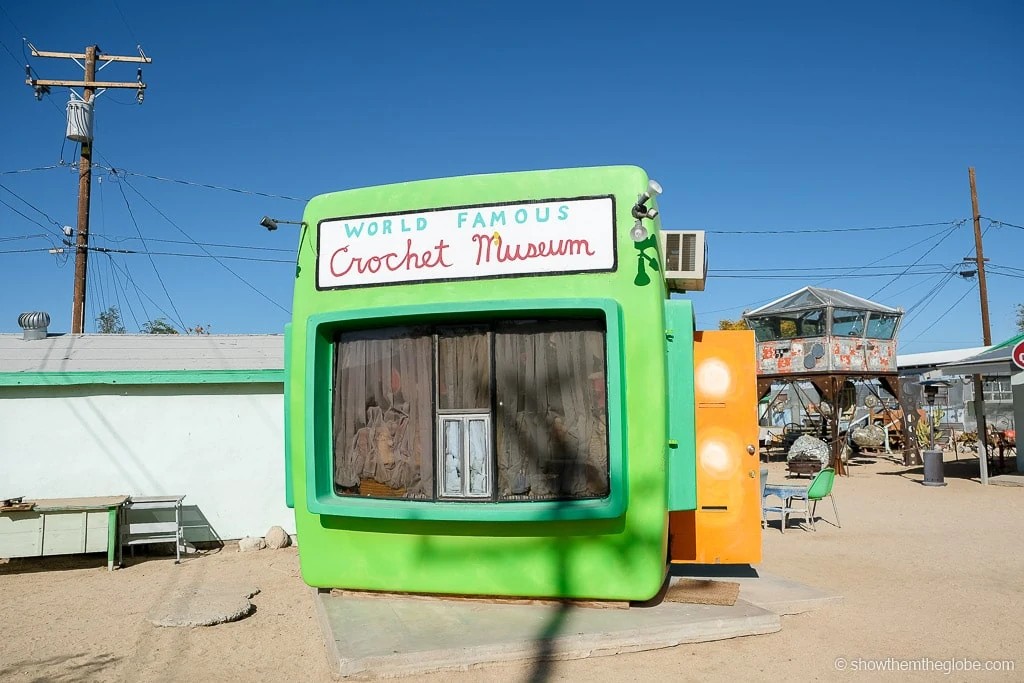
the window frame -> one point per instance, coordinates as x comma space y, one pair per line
464, 418
321, 330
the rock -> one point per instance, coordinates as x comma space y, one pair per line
809, 448
216, 603
251, 543
278, 538
868, 436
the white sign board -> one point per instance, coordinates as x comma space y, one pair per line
521, 238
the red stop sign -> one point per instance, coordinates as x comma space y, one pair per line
1018, 355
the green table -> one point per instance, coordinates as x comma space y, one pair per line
62, 526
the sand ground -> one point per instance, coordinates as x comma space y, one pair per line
925, 572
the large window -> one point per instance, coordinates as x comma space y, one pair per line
882, 325
789, 325
510, 411
846, 323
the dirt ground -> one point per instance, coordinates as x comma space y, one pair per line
925, 572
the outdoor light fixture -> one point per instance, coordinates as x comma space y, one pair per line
653, 189
639, 232
271, 223
641, 210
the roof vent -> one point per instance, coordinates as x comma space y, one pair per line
34, 324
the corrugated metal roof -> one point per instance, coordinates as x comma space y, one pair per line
934, 358
818, 297
995, 361
141, 352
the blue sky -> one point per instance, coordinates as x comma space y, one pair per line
756, 116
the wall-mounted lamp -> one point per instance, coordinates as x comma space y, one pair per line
639, 232
641, 210
272, 223
653, 189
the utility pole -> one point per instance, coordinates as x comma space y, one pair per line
982, 287
80, 117
84, 197
979, 386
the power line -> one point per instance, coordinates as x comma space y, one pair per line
32, 206
117, 286
20, 32
140, 294
215, 258
853, 269
884, 258
127, 238
995, 265
818, 268
921, 305
914, 286
941, 239
138, 291
125, 172
126, 25
12, 238
28, 218
131, 214
8, 51
30, 170
933, 294
97, 286
830, 230
1008, 225
804, 277
947, 312
22, 251
251, 259
1015, 276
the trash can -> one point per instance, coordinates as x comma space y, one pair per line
933, 475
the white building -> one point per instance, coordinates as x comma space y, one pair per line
97, 415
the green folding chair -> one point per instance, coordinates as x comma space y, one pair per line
819, 489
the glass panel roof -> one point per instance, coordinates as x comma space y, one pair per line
814, 297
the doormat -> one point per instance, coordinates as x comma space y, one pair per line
703, 592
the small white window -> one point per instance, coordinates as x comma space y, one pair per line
465, 465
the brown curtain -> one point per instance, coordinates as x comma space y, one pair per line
463, 370
551, 413
383, 424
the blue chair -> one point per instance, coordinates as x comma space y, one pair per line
764, 482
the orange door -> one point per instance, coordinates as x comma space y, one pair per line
726, 526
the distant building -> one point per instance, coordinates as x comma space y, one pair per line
958, 366
93, 415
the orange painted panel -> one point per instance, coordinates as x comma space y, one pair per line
726, 526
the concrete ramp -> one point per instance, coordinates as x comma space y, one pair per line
386, 636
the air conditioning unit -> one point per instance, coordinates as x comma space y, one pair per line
685, 259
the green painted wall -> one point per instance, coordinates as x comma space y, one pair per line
474, 548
